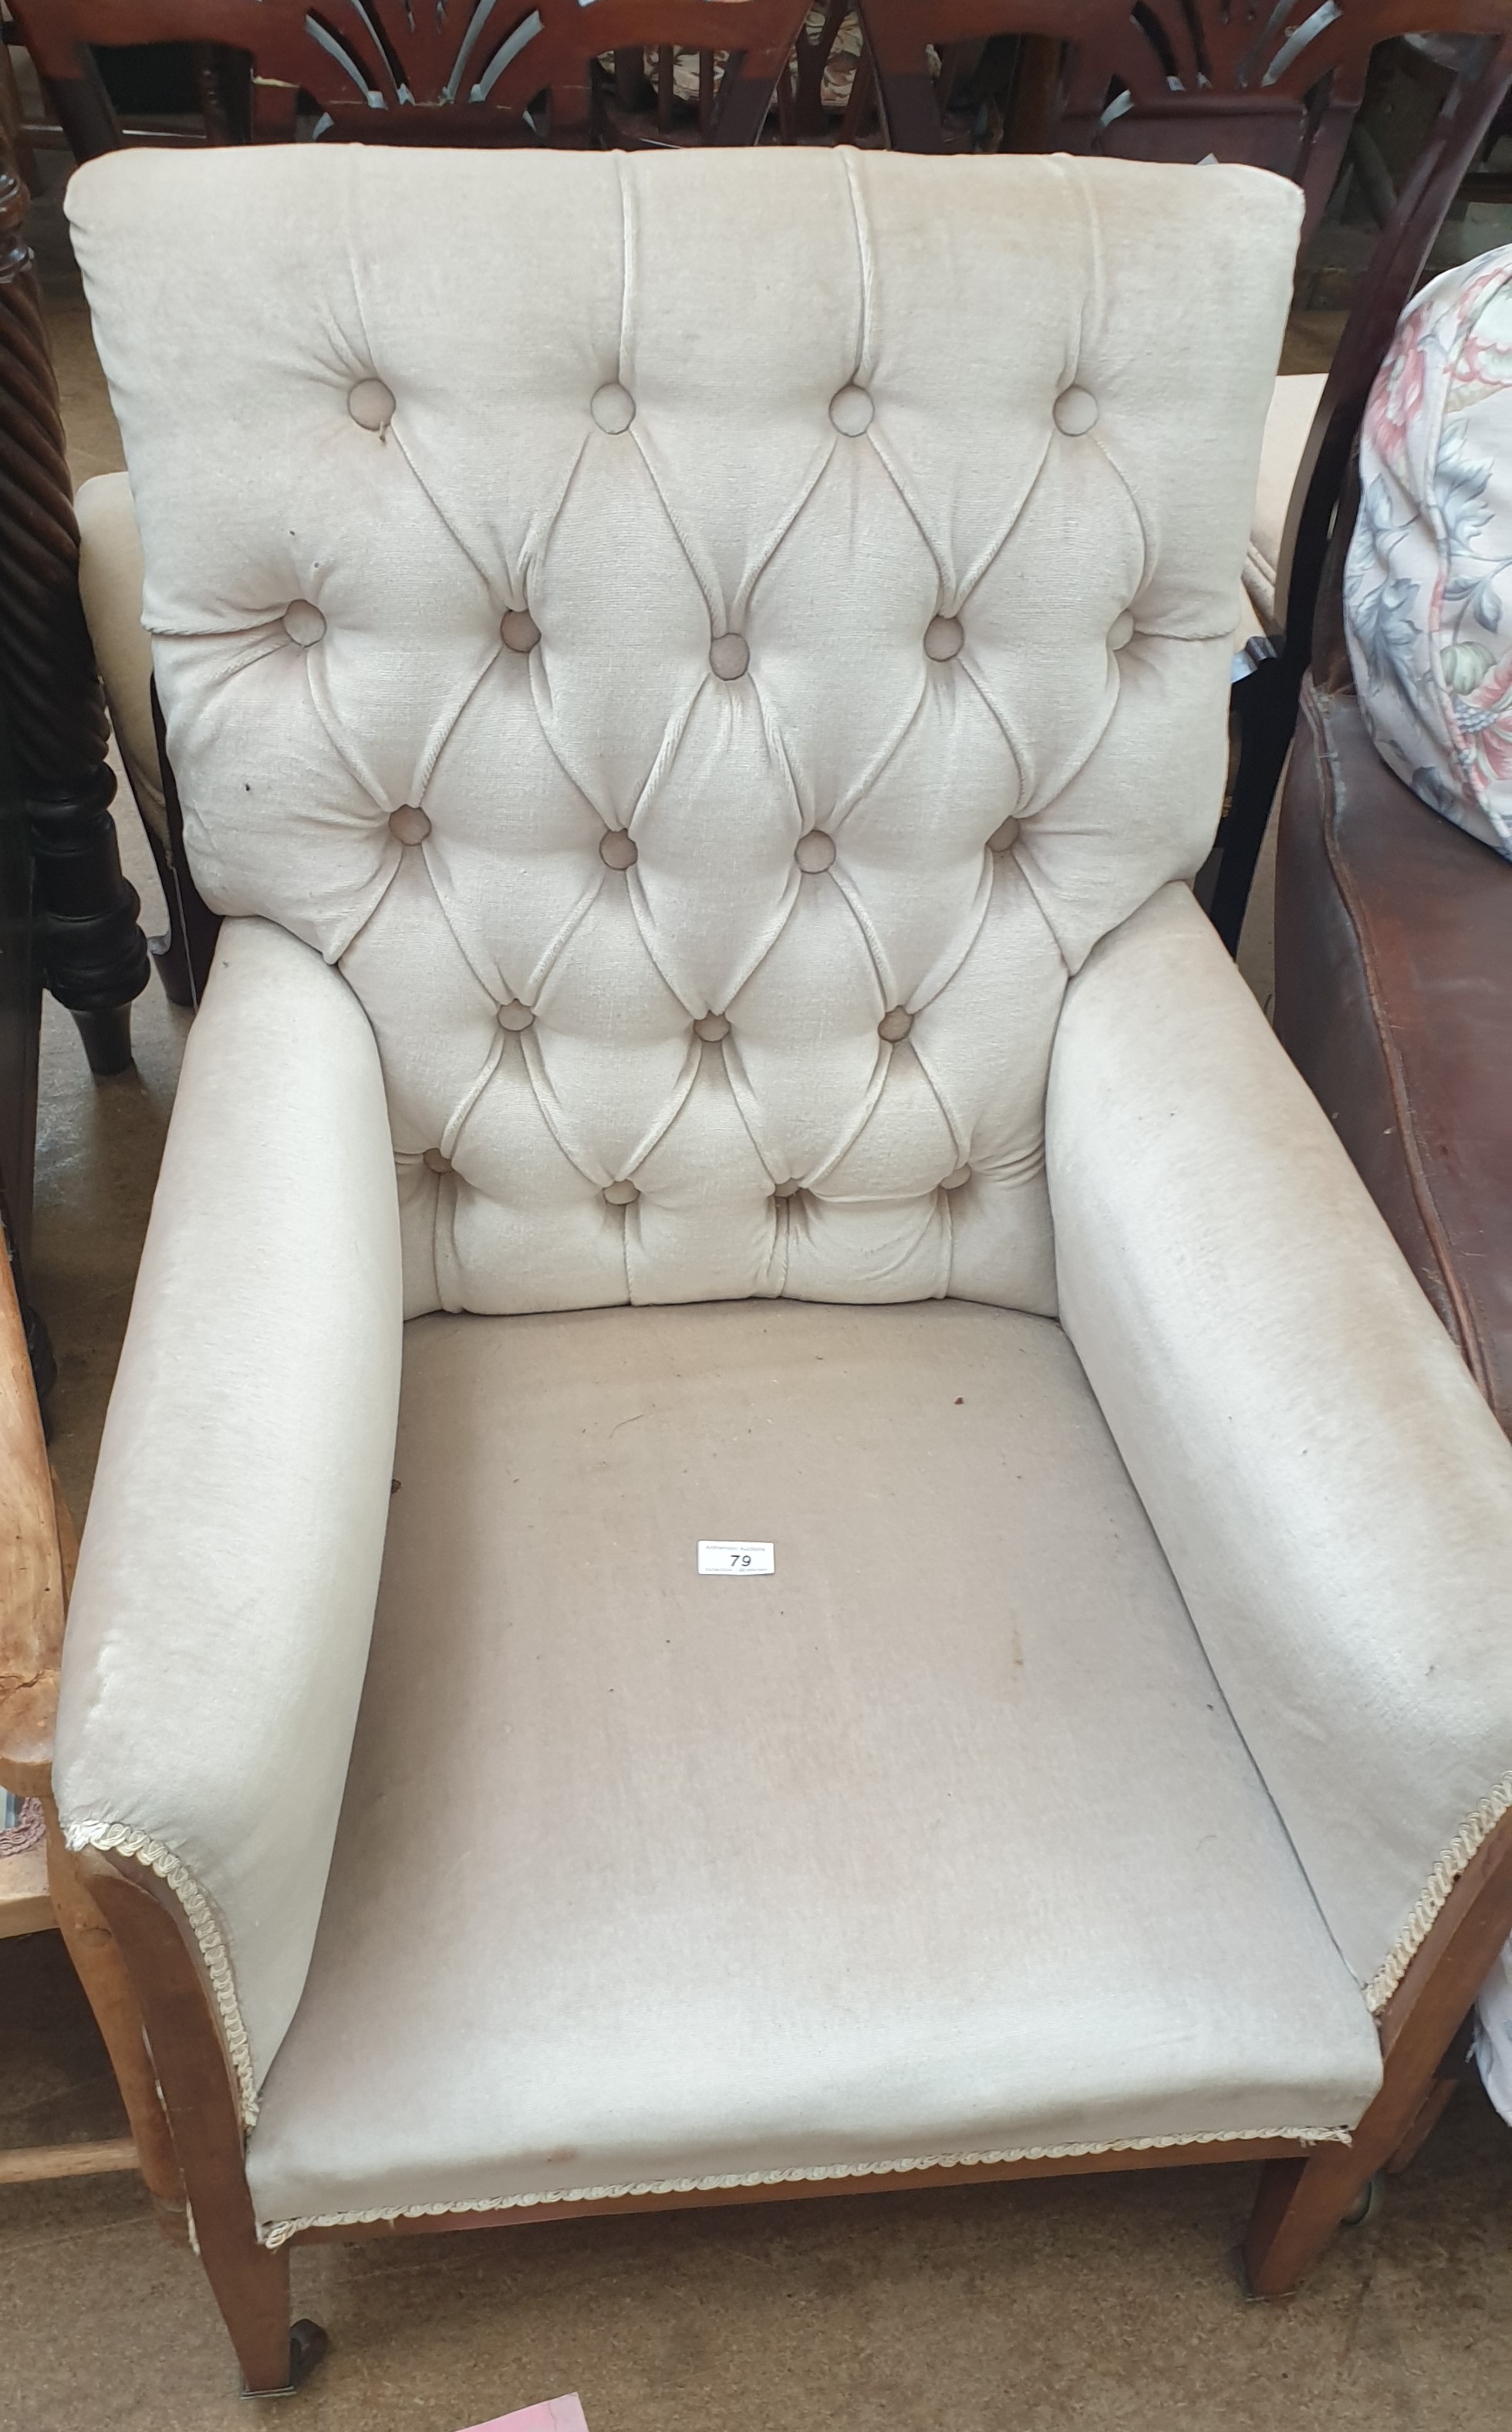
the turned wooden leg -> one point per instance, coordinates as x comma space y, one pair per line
94, 957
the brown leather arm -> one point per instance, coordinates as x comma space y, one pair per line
32, 1582
1394, 998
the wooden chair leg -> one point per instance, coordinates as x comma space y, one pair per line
1300, 2204
102, 1971
1266, 707
250, 2281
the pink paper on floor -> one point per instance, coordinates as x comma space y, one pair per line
553, 2415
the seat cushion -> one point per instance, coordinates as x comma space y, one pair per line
938, 1843
1292, 407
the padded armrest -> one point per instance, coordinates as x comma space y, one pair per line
218, 1633
1333, 1494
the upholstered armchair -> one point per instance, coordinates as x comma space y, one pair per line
699, 682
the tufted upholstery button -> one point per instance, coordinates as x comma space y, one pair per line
622, 1194
437, 1163
371, 403
730, 657
894, 1025
303, 622
611, 407
1075, 411
518, 630
617, 850
1120, 632
850, 410
953, 1181
786, 1189
943, 637
410, 825
1003, 838
815, 851
712, 1026
514, 1016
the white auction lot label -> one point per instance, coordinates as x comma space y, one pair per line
735, 1559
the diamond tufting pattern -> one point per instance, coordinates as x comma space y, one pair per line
707, 650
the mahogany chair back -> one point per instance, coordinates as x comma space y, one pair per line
532, 72
1246, 80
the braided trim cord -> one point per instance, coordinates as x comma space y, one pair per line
208, 1934
277, 2233
1452, 1862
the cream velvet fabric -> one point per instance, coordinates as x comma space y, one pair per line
938, 1842
794, 591
109, 582
1293, 404
219, 1624
1333, 1494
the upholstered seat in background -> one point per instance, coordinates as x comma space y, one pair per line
699, 682
1294, 402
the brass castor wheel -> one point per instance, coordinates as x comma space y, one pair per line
1367, 2204
308, 2344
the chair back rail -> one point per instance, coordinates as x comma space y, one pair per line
1275, 86
457, 72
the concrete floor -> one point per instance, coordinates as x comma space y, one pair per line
1102, 2305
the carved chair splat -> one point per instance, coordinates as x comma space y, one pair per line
379, 71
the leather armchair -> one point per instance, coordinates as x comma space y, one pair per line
698, 684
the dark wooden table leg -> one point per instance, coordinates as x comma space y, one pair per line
94, 957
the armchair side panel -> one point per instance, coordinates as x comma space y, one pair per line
218, 1632
1332, 1492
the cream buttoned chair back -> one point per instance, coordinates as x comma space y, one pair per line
707, 644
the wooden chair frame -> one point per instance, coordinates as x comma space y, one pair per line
451, 75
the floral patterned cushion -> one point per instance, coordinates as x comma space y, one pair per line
1428, 588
